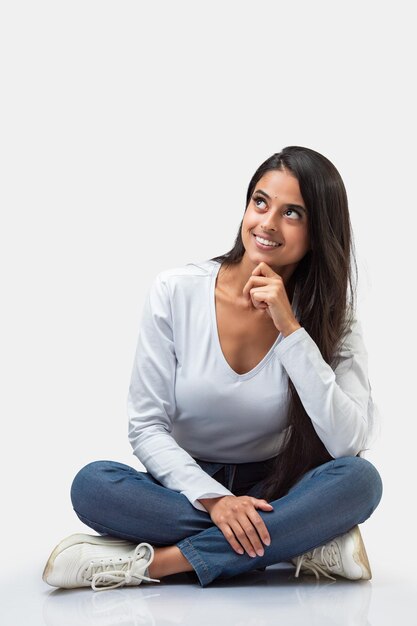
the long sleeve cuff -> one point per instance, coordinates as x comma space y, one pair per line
215, 490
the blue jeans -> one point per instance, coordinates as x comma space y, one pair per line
115, 499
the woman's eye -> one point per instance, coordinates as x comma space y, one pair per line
257, 200
292, 213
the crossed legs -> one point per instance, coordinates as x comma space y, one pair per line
115, 499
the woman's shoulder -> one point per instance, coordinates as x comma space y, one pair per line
184, 281
194, 268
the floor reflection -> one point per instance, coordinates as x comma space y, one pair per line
253, 599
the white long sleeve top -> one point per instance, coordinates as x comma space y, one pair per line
186, 401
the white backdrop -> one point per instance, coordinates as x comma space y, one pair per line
129, 133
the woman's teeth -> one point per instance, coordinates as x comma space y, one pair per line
266, 242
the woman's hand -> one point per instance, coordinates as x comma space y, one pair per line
237, 518
267, 291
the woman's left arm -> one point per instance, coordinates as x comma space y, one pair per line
338, 400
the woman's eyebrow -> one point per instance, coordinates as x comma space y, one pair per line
292, 206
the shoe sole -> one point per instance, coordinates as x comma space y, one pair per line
73, 540
359, 555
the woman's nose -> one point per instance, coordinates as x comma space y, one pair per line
271, 222
269, 225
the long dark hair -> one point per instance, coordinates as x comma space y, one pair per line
324, 283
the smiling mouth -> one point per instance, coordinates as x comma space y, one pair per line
271, 244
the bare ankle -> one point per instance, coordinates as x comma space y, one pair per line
168, 560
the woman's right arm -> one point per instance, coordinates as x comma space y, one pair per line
151, 409
151, 405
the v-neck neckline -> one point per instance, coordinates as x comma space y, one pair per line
216, 337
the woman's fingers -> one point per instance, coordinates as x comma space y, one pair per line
230, 537
250, 531
248, 538
241, 524
238, 538
260, 527
254, 526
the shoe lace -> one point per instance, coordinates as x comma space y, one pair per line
109, 575
329, 557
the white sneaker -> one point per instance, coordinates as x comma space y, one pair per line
102, 562
344, 556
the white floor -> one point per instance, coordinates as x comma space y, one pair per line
254, 599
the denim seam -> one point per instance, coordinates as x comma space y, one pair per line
196, 561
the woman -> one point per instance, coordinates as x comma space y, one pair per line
249, 406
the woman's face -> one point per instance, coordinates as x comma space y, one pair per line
276, 212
